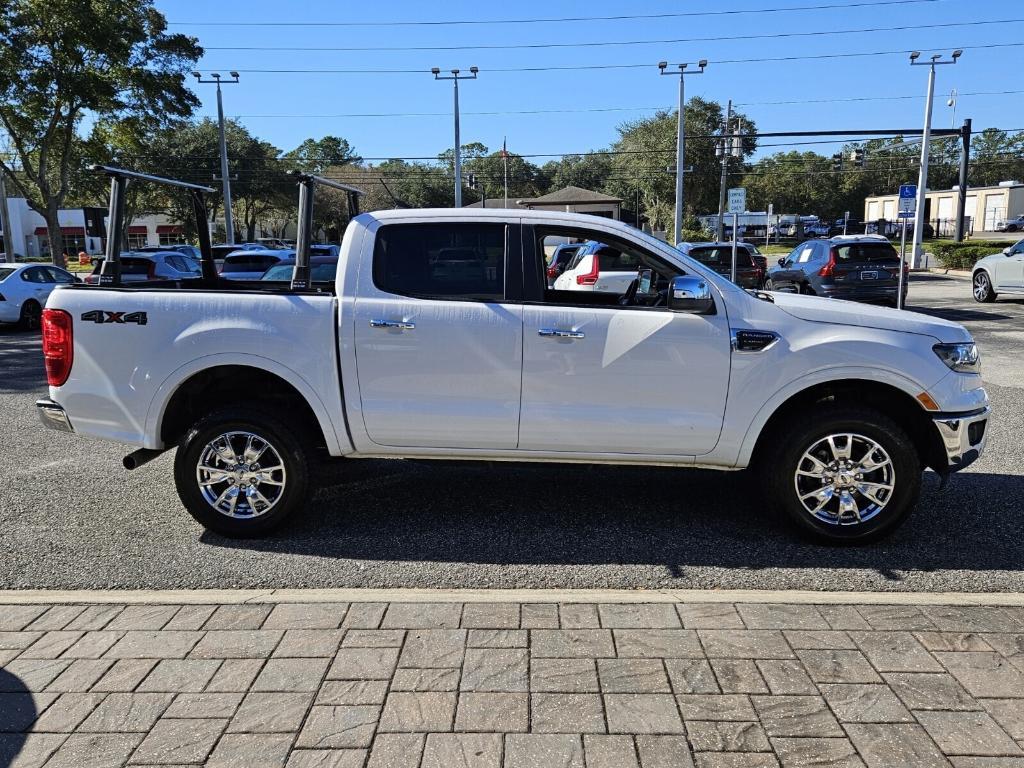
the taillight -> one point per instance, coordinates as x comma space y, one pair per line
552, 272
829, 268
58, 346
590, 278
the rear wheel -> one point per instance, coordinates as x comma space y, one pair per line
843, 475
31, 315
769, 285
982, 288
241, 473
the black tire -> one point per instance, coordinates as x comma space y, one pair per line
778, 466
769, 285
981, 288
1011, 228
31, 316
250, 521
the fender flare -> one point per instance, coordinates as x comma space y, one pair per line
838, 374
337, 442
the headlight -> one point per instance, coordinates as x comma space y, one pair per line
963, 358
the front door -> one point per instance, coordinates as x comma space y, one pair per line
438, 347
602, 377
1009, 271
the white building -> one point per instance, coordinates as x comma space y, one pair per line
985, 207
83, 229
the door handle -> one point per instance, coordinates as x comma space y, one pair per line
400, 324
560, 333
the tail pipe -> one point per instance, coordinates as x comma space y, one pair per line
136, 459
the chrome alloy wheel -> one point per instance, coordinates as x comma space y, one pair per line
981, 286
845, 479
240, 475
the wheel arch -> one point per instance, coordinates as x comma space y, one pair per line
894, 402
199, 389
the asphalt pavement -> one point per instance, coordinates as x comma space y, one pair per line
71, 517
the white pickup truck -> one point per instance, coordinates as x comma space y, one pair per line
440, 339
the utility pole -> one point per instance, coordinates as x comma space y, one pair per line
436, 72
5, 221
961, 195
724, 150
681, 139
926, 135
229, 224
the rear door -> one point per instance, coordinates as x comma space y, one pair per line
866, 265
438, 341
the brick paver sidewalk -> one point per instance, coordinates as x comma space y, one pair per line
445, 685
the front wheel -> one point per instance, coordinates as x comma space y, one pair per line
241, 473
843, 475
982, 288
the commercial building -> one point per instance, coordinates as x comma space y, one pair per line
986, 207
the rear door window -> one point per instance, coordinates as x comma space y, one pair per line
441, 261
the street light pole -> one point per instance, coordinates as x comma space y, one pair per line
719, 234
229, 224
926, 135
681, 140
436, 72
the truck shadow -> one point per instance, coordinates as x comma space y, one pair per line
17, 713
600, 515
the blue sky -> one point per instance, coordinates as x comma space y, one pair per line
310, 102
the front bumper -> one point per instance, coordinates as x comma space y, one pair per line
963, 436
53, 416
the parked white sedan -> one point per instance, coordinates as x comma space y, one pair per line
24, 289
1001, 272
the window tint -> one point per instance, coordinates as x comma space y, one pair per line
459, 261
721, 256
34, 275
59, 275
245, 262
614, 260
858, 252
5, 273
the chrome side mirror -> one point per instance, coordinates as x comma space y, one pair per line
691, 295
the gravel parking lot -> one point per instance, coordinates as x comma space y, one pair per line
71, 517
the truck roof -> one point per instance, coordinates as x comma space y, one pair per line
491, 214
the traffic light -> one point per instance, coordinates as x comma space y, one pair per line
858, 157
837, 161
471, 181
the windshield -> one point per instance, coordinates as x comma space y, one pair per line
5, 273
248, 262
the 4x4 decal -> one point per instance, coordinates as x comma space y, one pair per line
106, 316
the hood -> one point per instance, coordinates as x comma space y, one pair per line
839, 312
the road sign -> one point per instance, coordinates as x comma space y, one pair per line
908, 201
737, 200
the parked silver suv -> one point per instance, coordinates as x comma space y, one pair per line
854, 267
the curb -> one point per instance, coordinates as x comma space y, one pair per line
240, 596
950, 272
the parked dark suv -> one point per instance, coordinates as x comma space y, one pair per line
750, 264
854, 267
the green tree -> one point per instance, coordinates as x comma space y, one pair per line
317, 155
794, 182
61, 59
646, 148
589, 171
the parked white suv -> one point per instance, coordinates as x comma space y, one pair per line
1001, 272
598, 267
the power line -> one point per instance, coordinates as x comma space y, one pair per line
644, 65
558, 20
664, 108
606, 43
